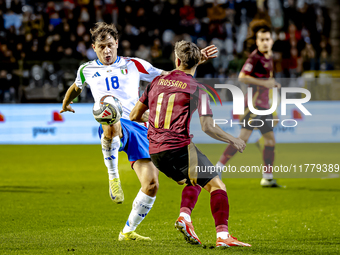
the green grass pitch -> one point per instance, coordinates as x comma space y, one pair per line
55, 200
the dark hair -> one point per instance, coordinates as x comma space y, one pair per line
188, 53
262, 30
255, 26
101, 30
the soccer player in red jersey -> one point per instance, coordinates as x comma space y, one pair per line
172, 99
258, 72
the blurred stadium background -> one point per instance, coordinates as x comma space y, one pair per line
54, 198
44, 42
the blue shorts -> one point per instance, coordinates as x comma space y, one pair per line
134, 141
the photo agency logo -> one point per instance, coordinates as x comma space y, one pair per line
239, 106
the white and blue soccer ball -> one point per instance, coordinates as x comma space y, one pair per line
108, 110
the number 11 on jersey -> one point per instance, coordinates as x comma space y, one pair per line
169, 109
114, 83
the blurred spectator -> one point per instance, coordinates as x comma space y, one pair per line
4, 84
156, 50
16, 6
143, 53
12, 19
84, 15
275, 13
171, 18
216, 14
308, 55
326, 63
81, 48
188, 19
110, 13
126, 46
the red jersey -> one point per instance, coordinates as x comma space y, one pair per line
172, 99
258, 66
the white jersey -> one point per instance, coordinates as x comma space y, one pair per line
121, 79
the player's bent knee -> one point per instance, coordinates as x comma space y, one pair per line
269, 142
217, 188
221, 185
215, 184
151, 188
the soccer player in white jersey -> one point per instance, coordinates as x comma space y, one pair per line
120, 77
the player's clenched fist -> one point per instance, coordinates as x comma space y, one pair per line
238, 144
270, 83
277, 85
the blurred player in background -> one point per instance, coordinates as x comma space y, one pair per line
257, 72
120, 77
260, 143
172, 99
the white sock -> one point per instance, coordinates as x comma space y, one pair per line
110, 152
219, 168
140, 208
186, 216
219, 164
223, 235
267, 175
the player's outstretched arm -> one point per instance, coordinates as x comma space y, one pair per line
71, 94
139, 113
217, 133
206, 54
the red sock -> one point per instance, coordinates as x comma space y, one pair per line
189, 198
227, 154
220, 209
268, 158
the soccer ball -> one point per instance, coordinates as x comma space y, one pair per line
108, 110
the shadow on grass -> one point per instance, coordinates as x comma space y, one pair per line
309, 189
24, 189
331, 190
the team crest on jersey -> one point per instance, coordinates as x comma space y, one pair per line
123, 69
248, 67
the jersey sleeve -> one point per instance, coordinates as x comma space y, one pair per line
203, 103
80, 79
249, 65
147, 71
144, 99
